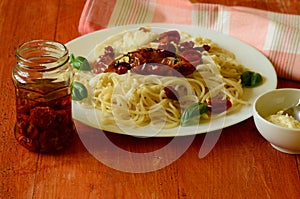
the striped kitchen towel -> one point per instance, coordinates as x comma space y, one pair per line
276, 35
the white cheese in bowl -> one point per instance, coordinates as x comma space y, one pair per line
284, 120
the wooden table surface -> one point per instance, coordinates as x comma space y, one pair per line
241, 165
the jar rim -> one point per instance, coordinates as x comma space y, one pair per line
32, 54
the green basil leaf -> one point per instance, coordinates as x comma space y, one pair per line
256, 79
251, 79
79, 63
246, 78
191, 115
79, 91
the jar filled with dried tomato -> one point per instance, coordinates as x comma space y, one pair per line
43, 84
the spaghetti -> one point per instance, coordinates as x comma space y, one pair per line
136, 98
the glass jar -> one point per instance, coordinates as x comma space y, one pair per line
43, 85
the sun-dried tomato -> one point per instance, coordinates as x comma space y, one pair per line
42, 116
103, 61
219, 105
186, 45
169, 36
192, 56
44, 126
171, 93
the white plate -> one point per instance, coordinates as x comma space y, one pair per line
245, 54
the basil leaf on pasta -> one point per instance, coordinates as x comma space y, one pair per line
251, 79
191, 115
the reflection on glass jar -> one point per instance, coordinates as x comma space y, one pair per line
43, 81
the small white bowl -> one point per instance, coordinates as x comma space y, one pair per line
284, 139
